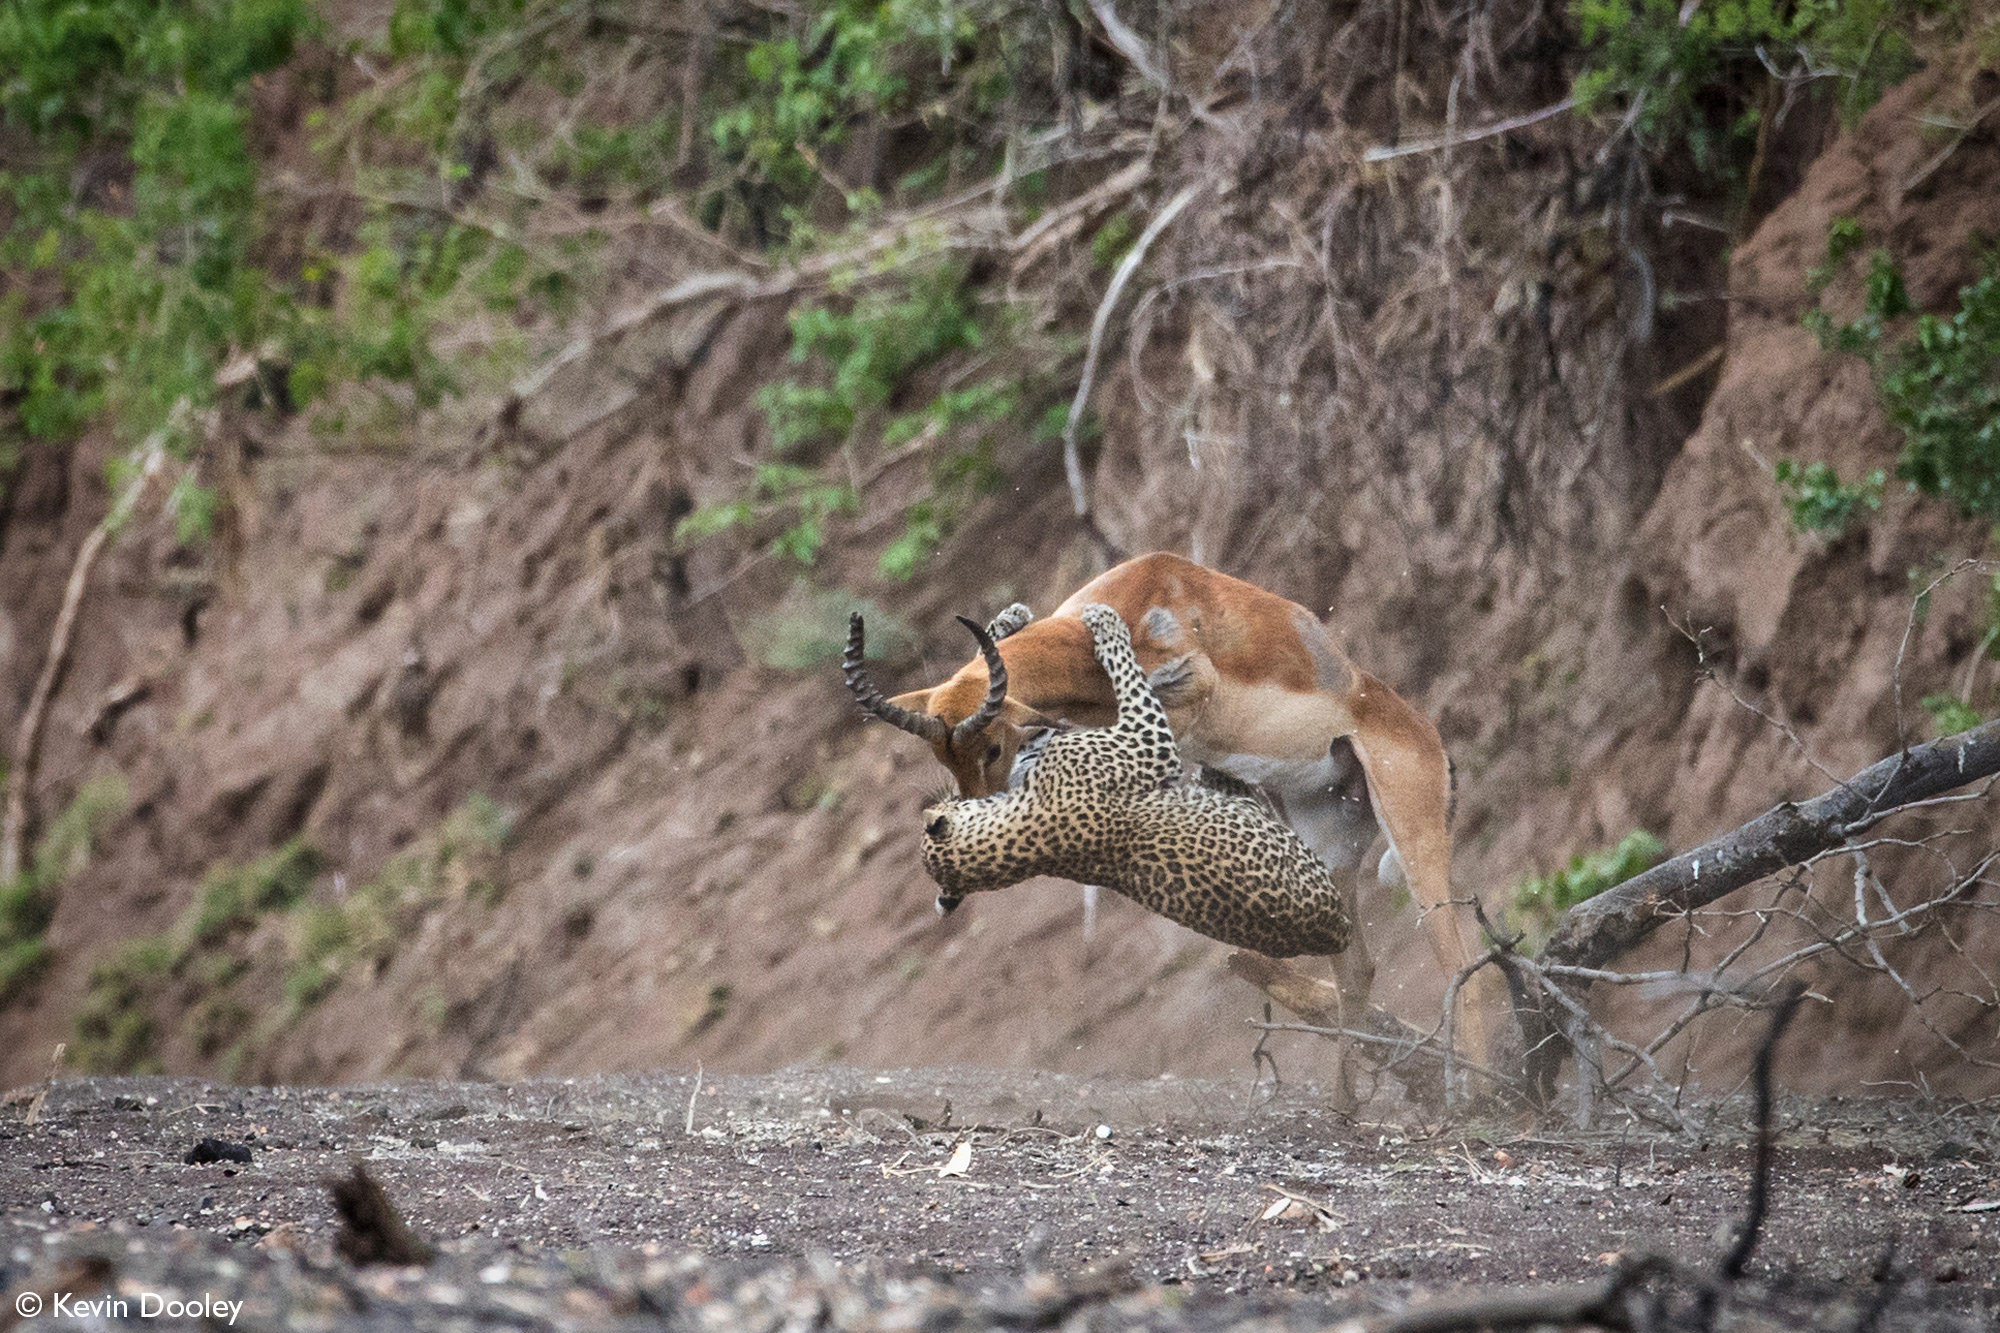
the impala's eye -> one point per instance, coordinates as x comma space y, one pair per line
992, 753
936, 828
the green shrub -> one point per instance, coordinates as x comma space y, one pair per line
141, 295
460, 855
808, 628
307, 983
480, 823
23, 960
798, 94
114, 1027
324, 931
1951, 714
129, 301
1820, 501
233, 897
1540, 900
915, 310
69, 839
1692, 74
1939, 381
863, 352
1943, 388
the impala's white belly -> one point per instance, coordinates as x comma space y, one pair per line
1279, 775
1325, 803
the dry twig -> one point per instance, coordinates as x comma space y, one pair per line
1072, 463
1434, 142
1760, 1174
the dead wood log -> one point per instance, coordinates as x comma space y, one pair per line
1595, 932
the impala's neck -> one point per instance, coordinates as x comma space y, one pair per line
1050, 668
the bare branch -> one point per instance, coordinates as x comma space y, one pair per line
1072, 463
1760, 1175
1404, 1046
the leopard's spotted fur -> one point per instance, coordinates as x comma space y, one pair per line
1107, 805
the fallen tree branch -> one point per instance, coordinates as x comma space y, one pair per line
1960, 134
1594, 932
970, 222
742, 286
28, 739
1398, 1039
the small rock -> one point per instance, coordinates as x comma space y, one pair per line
216, 1150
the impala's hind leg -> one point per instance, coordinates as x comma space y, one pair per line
1338, 823
1315, 1002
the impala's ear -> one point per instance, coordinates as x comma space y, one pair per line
1026, 718
916, 701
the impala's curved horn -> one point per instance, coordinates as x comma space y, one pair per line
996, 687
872, 703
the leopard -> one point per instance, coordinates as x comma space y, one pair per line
1111, 806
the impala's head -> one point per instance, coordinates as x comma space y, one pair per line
972, 726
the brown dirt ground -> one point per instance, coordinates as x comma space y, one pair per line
586, 1185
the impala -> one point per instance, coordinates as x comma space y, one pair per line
1255, 687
